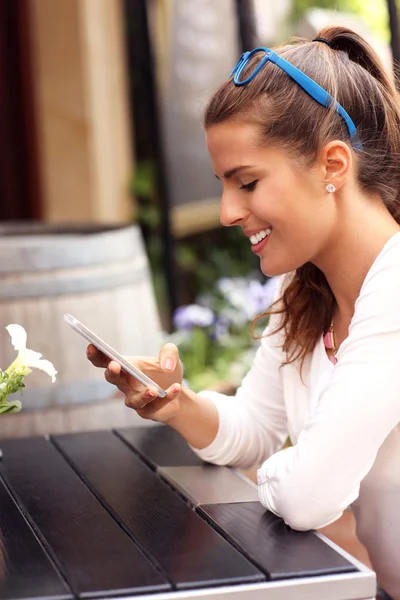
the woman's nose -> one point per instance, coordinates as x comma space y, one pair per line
232, 211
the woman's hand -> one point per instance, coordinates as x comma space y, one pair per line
166, 371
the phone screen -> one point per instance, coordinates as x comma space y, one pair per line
101, 345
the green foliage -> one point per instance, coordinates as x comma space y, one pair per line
373, 12
10, 407
300, 7
214, 335
10, 384
144, 188
201, 259
208, 361
144, 182
206, 257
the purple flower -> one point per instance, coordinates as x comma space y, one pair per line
234, 291
220, 329
234, 316
260, 296
193, 315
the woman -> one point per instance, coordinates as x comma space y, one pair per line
315, 185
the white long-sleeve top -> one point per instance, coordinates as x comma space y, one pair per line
343, 421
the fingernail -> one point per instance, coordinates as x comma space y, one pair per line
169, 364
175, 389
150, 394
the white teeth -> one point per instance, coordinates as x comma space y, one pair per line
257, 237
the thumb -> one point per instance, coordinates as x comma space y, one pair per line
169, 357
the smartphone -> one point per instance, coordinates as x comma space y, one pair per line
101, 345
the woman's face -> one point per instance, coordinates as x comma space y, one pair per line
273, 198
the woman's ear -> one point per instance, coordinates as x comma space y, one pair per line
336, 160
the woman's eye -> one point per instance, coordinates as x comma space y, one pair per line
249, 187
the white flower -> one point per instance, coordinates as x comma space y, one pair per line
234, 290
27, 359
193, 315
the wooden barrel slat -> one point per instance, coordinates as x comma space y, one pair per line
40, 248
101, 276
73, 281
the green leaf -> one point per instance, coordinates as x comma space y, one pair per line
11, 383
10, 407
144, 183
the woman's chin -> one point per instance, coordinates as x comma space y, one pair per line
271, 270
284, 264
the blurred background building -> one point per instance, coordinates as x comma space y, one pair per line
65, 138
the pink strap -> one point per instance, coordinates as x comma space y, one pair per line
328, 343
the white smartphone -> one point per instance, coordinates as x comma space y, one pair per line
101, 345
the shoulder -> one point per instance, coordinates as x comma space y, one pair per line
378, 304
383, 278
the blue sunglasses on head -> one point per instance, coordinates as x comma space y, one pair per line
309, 85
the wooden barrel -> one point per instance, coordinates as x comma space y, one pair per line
99, 274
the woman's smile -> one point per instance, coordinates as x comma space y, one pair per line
258, 239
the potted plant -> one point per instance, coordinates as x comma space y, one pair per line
12, 379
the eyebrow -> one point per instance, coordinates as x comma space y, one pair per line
229, 174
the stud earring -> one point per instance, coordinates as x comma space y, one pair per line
330, 188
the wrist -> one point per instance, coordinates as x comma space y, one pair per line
196, 419
185, 402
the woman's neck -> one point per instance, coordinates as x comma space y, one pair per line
362, 233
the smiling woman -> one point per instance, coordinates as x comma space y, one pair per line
306, 143
274, 137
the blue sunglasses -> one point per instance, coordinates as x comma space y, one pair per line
309, 85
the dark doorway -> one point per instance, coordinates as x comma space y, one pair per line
19, 182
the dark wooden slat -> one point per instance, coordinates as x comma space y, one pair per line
281, 552
209, 484
160, 446
94, 554
25, 570
186, 547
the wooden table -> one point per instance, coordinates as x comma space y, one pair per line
135, 513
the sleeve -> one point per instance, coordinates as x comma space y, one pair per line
310, 485
253, 423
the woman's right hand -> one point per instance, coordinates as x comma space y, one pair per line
166, 371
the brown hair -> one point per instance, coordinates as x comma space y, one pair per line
287, 116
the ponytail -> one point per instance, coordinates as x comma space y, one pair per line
358, 51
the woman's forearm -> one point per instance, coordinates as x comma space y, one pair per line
197, 419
